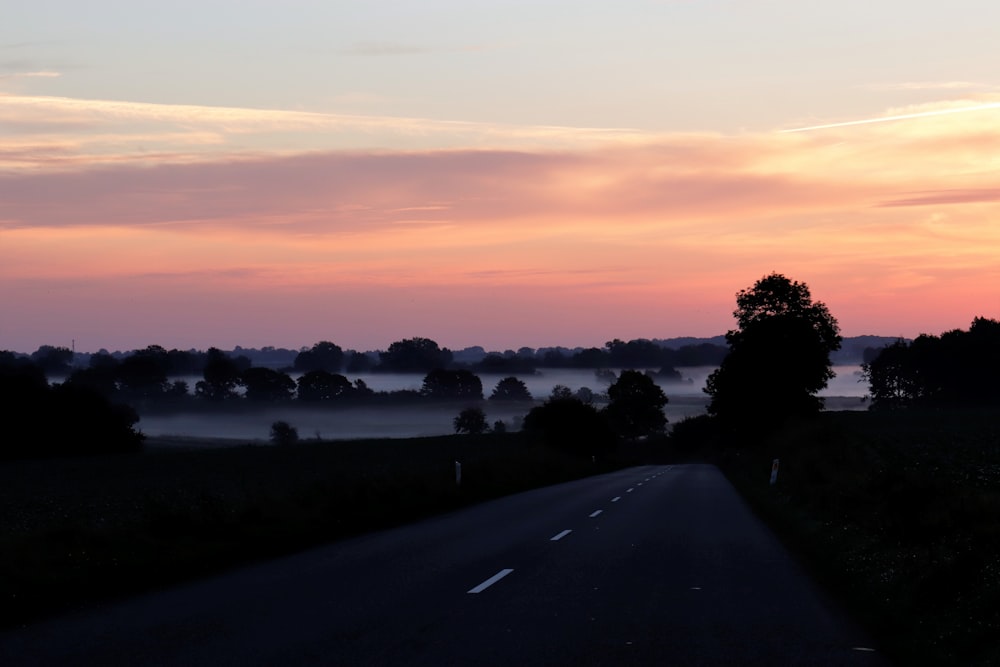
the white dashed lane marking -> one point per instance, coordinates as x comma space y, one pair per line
555, 538
489, 582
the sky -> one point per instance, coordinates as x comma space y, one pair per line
504, 174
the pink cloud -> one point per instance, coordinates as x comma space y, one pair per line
936, 198
332, 192
483, 246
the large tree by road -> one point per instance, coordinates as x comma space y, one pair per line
636, 405
779, 354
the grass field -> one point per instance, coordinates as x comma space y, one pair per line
75, 531
898, 514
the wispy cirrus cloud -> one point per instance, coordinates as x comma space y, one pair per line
866, 213
939, 197
99, 131
687, 177
911, 112
38, 74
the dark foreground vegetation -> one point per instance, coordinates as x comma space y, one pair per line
896, 509
78, 530
42, 421
897, 513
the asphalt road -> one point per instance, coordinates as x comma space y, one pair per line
658, 565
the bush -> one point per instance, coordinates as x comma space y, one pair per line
510, 389
63, 420
570, 425
472, 421
283, 433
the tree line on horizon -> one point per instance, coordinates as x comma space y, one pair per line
413, 355
93, 419
150, 375
775, 363
959, 368
142, 379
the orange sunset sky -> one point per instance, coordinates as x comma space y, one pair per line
496, 174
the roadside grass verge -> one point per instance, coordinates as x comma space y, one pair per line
897, 514
77, 531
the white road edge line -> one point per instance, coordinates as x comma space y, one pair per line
597, 513
489, 582
629, 490
616, 499
561, 535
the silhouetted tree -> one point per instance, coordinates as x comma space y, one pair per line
359, 362
67, 419
635, 406
323, 356
283, 433
892, 377
54, 361
178, 389
584, 395
702, 354
222, 376
560, 392
570, 425
779, 356
317, 386
592, 357
451, 384
185, 362
143, 374
102, 360
639, 353
958, 368
266, 384
361, 389
414, 355
973, 359
510, 389
101, 375
669, 374
554, 359
24, 394
506, 363
472, 421
88, 423
11, 359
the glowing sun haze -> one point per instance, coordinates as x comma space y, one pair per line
490, 173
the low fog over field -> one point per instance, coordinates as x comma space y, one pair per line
686, 399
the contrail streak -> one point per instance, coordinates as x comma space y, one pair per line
886, 119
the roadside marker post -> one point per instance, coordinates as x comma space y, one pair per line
774, 471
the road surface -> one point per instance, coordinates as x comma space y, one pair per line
655, 565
